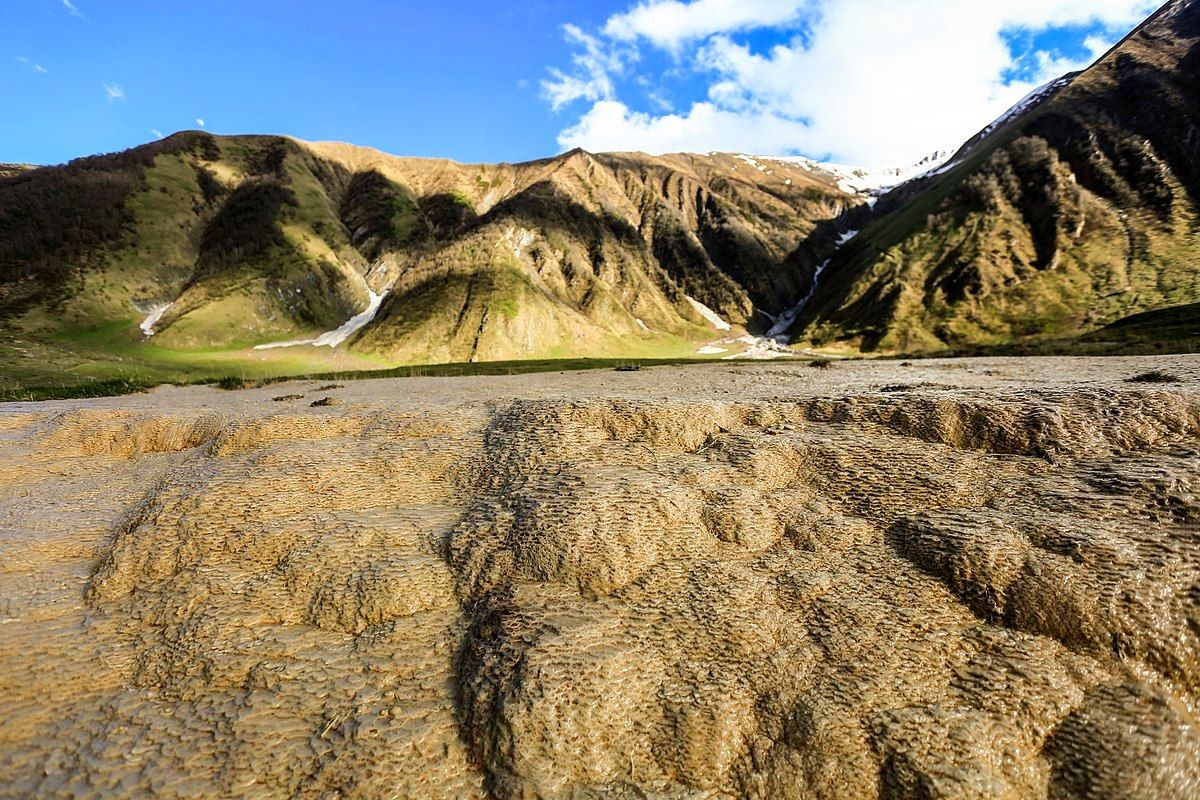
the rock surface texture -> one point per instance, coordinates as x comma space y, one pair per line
969, 579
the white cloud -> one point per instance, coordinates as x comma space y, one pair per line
610, 125
156, 133
38, 68
70, 7
660, 102
670, 23
200, 121
595, 64
874, 82
1097, 45
113, 91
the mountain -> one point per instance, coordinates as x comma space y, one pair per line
199, 255
200, 244
1076, 209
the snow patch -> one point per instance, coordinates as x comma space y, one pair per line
788, 318
156, 313
759, 349
1030, 100
752, 162
778, 331
711, 316
752, 348
868, 181
337, 336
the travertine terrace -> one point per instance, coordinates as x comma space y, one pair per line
948, 579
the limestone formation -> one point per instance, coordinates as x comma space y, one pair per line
757, 581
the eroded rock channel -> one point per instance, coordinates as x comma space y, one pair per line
765, 581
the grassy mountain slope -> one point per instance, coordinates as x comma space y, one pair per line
253, 240
237, 234
1079, 211
180, 259
587, 255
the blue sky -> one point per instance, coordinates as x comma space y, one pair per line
854, 80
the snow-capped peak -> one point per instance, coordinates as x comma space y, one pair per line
872, 182
867, 181
1028, 102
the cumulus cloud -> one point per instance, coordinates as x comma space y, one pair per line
70, 7
670, 23
704, 127
156, 133
200, 121
113, 91
861, 81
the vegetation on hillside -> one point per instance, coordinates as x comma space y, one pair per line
241, 241
1045, 233
1081, 211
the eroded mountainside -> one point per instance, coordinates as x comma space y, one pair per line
1076, 210
1080, 209
210, 242
974, 579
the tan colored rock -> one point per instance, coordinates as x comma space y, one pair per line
756, 581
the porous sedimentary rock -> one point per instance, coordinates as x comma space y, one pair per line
761, 581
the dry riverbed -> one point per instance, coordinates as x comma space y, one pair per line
975, 578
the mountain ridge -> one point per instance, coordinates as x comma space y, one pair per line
231, 243
1073, 210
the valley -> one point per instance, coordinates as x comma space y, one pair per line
201, 257
332, 473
